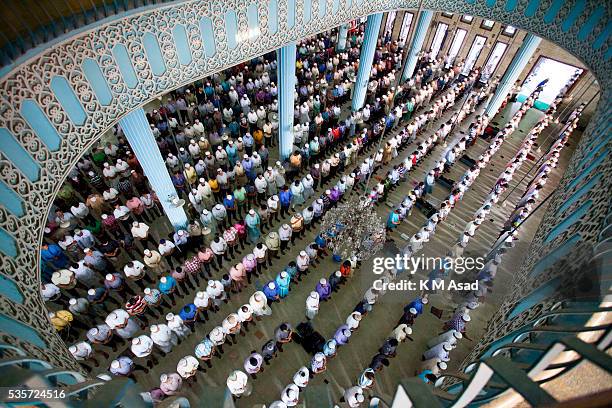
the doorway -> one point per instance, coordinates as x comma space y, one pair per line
556, 73
473, 54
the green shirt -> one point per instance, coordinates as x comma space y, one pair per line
99, 156
240, 194
94, 228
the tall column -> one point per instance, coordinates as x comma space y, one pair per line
520, 60
418, 38
342, 35
368, 48
286, 98
140, 137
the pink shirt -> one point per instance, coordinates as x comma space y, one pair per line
237, 272
135, 205
240, 229
205, 255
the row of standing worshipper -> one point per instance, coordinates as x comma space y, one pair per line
461, 185
341, 337
326, 287
404, 208
238, 382
152, 258
454, 329
398, 173
436, 357
319, 361
502, 184
354, 396
528, 199
524, 206
169, 280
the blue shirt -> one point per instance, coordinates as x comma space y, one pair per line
229, 203
270, 293
417, 304
285, 198
188, 313
55, 255
320, 241
167, 287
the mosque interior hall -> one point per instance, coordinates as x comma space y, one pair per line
306, 203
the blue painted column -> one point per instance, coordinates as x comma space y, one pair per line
286, 98
368, 48
520, 60
342, 35
418, 38
138, 133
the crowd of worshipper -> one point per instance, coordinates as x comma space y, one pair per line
216, 135
273, 291
354, 395
434, 359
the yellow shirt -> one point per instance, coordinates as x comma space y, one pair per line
214, 185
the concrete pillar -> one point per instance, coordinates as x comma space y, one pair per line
418, 39
518, 63
368, 48
142, 142
286, 98
342, 35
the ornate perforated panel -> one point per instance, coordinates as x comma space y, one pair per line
30, 80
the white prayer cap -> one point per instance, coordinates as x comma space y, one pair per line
147, 252
154, 328
271, 285
91, 292
413, 310
466, 317
424, 300
442, 365
252, 212
302, 253
109, 276
72, 349
135, 223
115, 364
147, 291
447, 347
170, 316
323, 281
163, 378
163, 279
73, 301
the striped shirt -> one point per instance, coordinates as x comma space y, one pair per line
136, 305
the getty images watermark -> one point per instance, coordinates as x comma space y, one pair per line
442, 267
